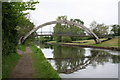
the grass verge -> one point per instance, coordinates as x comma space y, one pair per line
8, 63
41, 67
110, 43
21, 47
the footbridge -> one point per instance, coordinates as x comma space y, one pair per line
91, 33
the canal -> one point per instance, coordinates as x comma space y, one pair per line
78, 62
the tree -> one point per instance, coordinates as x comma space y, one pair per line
12, 16
59, 29
116, 30
99, 29
74, 30
25, 27
93, 25
65, 29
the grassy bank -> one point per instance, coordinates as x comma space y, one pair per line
41, 67
8, 64
10, 61
21, 47
110, 43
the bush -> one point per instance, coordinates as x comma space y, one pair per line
85, 38
57, 38
21, 47
66, 39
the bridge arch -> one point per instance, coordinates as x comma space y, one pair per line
92, 34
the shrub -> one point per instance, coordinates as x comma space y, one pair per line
66, 39
57, 38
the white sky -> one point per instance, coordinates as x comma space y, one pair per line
102, 11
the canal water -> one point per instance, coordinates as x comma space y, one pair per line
78, 62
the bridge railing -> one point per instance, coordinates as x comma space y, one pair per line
47, 33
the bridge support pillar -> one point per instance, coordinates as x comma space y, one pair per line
97, 41
21, 41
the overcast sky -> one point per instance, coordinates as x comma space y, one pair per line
102, 11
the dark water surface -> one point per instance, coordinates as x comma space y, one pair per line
76, 62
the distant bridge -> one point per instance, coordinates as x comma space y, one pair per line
49, 33
46, 33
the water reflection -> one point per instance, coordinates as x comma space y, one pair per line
71, 59
101, 57
67, 60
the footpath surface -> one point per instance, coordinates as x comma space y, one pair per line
24, 67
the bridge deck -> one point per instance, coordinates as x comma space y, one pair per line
105, 36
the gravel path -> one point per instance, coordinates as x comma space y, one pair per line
24, 67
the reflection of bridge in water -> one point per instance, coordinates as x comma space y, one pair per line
71, 59
82, 64
70, 65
